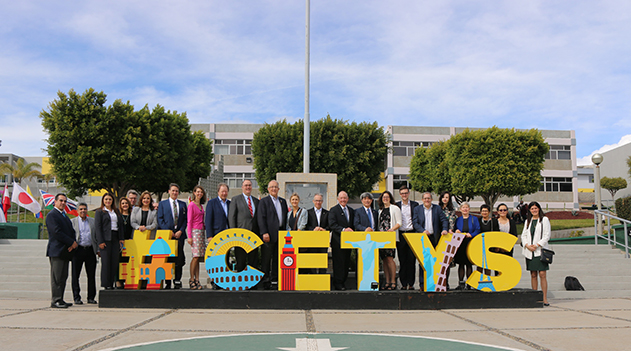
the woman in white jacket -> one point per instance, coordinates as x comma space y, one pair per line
389, 220
535, 235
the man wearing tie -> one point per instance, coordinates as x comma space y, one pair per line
430, 220
407, 270
85, 254
271, 217
61, 243
341, 218
365, 216
242, 214
317, 220
172, 216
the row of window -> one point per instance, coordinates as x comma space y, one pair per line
407, 148
234, 180
559, 152
549, 184
233, 147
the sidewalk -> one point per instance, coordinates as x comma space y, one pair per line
590, 324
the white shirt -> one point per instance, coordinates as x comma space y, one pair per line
251, 202
113, 218
178, 210
428, 220
318, 213
224, 205
406, 217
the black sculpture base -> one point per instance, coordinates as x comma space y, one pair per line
307, 300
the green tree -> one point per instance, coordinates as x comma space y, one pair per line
355, 151
114, 148
613, 185
629, 165
20, 170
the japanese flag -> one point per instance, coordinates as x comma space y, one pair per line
24, 199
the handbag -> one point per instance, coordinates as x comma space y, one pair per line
546, 255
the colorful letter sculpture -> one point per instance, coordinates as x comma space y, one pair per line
148, 259
435, 262
291, 260
216, 266
368, 245
509, 269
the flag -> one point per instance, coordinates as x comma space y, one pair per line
49, 203
24, 199
2, 219
38, 214
6, 201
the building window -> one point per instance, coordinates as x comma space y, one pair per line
233, 147
50, 182
407, 148
399, 180
591, 179
559, 152
234, 180
556, 184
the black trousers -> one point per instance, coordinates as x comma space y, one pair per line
180, 261
58, 278
243, 259
269, 263
109, 261
84, 255
407, 260
341, 261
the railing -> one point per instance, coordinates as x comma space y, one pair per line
611, 239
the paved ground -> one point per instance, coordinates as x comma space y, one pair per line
590, 324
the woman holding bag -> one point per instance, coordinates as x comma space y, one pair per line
535, 236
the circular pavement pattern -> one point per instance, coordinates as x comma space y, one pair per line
306, 341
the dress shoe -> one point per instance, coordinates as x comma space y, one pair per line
78, 302
177, 284
67, 303
167, 284
340, 287
92, 301
58, 304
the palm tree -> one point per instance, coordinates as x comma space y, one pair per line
47, 178
20, 170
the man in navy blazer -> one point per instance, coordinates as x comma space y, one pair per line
175, 221
366, 217
61, 243
271, 217
407, 270
437, 226
217, 212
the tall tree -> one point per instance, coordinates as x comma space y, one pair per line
20, 170
355, 151
114, 148
613, 185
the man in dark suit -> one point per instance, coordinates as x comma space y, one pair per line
242, 214
341, 218
61, 243
430, 220
217, 212
85, 254
407, 270
317, 220
271, 217
172, 216
365, 216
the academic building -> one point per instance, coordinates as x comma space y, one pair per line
559, 188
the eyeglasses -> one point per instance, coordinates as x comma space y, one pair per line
60, 200
502, 210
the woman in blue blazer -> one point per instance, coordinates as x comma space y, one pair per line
470, 226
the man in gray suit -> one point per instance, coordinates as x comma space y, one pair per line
242, 214
85, 254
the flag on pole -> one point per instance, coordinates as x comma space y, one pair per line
49, 203
2, 219
24, 199
38, 214
6, 201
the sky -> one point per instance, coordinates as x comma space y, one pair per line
515, 64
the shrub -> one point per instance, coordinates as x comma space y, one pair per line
623, 207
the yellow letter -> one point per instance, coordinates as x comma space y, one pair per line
509, 268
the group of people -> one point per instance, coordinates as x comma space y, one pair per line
83, 238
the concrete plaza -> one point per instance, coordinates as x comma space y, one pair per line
580, 324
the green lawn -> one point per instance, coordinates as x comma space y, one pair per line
558, 224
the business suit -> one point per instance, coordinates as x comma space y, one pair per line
439, 222
312, 223
239, 217
407, 270
60, 237
110, 254
136, 219
341, 257
362, 222
540, 238
84, 255
165, 222
216, 218
269, 223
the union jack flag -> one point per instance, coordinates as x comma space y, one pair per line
49, 202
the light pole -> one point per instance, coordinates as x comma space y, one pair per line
597, 159
307, 128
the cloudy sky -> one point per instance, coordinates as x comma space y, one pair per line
524, 64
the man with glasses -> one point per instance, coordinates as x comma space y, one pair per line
430, 220
341, 219
407, 270
85, 254
61, 243
242, 214
317, 220
271, 217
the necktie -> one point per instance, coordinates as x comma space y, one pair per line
250, 207
175, 213
345, 213
370, 218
